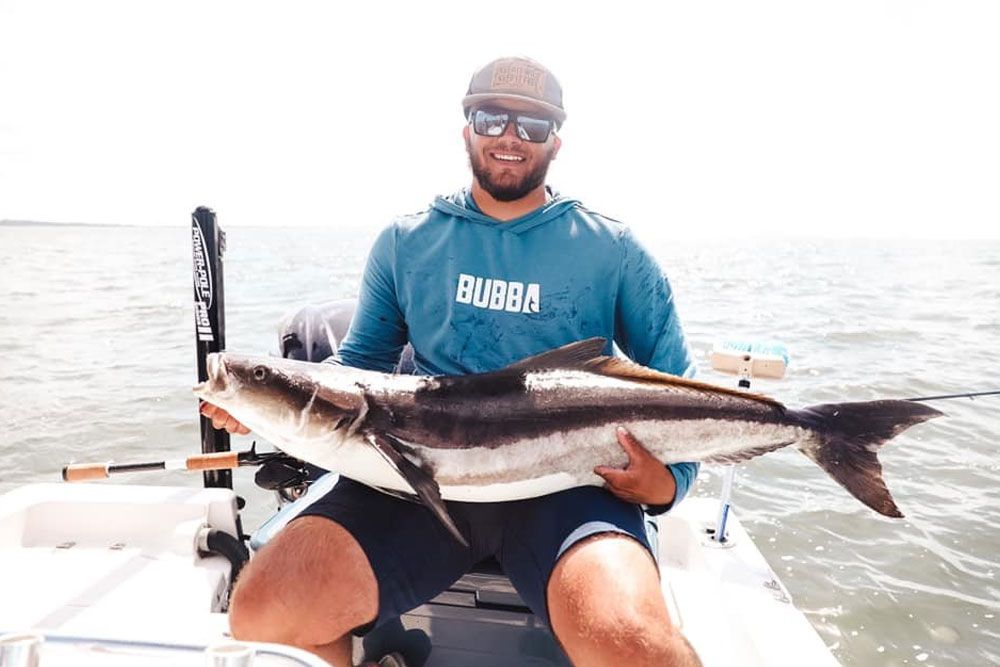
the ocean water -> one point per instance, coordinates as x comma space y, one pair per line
97, 361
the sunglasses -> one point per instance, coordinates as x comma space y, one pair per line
493, 123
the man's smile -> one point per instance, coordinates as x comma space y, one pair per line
507, 157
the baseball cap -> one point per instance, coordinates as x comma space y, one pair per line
516, 78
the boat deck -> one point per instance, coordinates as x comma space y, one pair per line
105, 571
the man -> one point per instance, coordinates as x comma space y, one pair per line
488, 276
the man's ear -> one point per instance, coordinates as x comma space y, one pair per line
465, 132
556, 145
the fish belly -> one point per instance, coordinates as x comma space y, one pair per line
562, 460
547, 463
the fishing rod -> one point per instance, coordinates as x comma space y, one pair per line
79, 472
970, 395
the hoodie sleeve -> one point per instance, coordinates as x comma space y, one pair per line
648, 330
378, 332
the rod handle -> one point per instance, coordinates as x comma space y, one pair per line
214, 461
81, 472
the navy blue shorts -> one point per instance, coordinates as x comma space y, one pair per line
415, 558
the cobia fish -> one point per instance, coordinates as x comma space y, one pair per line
538, 426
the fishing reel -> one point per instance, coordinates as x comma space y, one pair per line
286, 475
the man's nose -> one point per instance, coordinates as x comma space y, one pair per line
511, 129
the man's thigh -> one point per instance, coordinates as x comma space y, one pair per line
412, 556
539, 532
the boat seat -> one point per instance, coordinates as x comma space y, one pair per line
487, 566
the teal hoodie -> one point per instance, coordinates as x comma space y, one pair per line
474, 294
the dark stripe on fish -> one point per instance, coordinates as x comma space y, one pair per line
452, 414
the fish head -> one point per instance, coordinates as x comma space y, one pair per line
283, 399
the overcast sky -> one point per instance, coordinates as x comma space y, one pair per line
846, 118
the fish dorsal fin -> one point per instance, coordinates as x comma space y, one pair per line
626, 369
574, 355
587, 355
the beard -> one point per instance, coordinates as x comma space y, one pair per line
509, 189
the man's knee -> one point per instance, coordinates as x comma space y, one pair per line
620, 632
253, 612
603, 622
606, 607
583, 579
311, 585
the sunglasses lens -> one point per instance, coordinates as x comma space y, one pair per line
533, 129
489, 124
494, 123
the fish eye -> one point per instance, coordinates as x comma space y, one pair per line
260, 373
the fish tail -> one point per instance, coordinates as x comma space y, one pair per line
847, 439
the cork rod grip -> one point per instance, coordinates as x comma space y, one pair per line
216, 461
82, 472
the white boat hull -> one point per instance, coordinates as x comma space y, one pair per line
120, 564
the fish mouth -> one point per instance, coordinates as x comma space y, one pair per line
217, 384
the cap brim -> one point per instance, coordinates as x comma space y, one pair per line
473, 100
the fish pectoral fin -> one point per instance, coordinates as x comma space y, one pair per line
423, 483
573, 355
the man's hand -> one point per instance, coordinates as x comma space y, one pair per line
644, 480
222, 419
